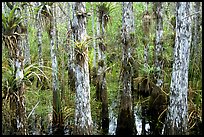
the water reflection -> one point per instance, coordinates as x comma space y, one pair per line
138, 120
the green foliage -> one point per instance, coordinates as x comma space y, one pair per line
11, 20
34, 70
31, 72
112, 12
104, 9
148, 70
8, 79
44, 98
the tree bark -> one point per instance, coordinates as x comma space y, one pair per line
39, 36
83, 119
195, 42
146, 28
13, 41
94, 70
101, 87
17, 99
57, 128
26, 40
157, 99
93, 31
125, 123
98, 28
177, 116
70, 49
159, 45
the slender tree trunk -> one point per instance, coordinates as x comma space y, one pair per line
177, 116
159, 45
39, 36
101, 88
70, 57
146, 27
98, 28
40, 58
125, 123
102, 82
26, 40
57, 114
70, 49
195, 43
62, 85
94, 73
93, 31
17, 99
83, 119
146, 40
13, 41
157, 99
134, 63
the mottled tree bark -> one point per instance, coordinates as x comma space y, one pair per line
98, 33
101, 88
39, 36
177, 116
94, 70
83, 119
93, 31
159, 45
13, 41
70, 49
146, 28
17, 99
156, 99
125, 123
195, 42
26, 39
57, 128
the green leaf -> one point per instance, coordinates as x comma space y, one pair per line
4, 21
11, 15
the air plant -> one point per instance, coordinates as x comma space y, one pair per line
30, 72
44, 13
104, 10
11, 21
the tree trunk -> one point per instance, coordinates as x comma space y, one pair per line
13, 41
177, 116
101, 80
125, 123
39, 36
146, 28
195, 43
83, 119
93, 31
62, 81
57, 114
98, 94
155, 99
70, 50
17, 99
26, 40
159, 45
94, 70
